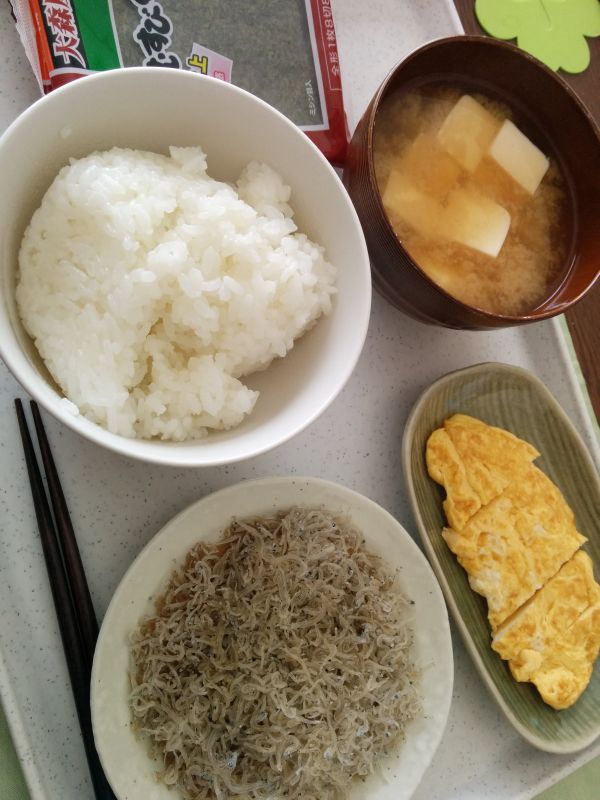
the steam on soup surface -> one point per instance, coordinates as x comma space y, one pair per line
476, 204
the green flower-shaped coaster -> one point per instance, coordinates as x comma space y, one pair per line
553, 31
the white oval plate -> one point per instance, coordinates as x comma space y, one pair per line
126, 762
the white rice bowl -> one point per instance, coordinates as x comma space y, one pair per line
150, 289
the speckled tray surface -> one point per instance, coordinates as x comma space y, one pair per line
117, 505
512, 399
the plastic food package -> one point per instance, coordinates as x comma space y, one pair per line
284, 51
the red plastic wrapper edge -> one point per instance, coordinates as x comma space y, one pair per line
333, 142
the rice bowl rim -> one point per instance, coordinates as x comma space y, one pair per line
122, 756
191, 452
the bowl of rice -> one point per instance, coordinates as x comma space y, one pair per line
184, 279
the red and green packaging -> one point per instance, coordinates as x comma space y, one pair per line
284, 51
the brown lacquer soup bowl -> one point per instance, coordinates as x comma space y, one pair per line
552, 117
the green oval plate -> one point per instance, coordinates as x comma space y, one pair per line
510, 398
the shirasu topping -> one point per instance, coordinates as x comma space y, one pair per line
277, 664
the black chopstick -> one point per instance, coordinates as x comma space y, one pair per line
68, 544
74, 609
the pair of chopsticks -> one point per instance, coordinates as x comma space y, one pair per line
72, 601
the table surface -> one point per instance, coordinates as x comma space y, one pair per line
583, 318
580, 785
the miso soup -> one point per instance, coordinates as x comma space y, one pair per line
474, 201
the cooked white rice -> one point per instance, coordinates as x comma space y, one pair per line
149, 288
